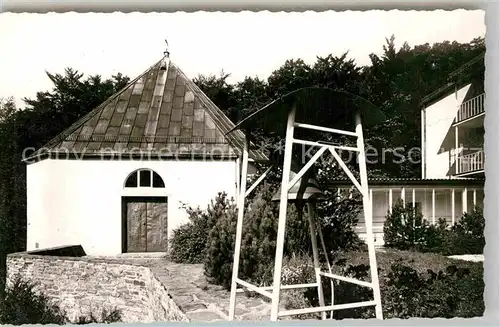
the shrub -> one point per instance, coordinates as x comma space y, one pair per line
345, 292
188, 244
438, 238
350, 293
189, 241
220, 246
300, 270
456, 292
468, 233
405, 229
21, 304
258, 243
258, 246
209, 237
260, 232
453, 292
337, 217
295, 299
106, 317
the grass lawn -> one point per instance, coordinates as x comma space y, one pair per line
421, 262
426, 300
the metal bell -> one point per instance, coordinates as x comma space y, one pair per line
311, 192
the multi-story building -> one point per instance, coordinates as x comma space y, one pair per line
453, 125
452, 138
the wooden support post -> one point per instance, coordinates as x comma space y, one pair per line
433, 206
280, 239
367, 208
474, 196
238, 179
424, 141
371, 205
390, 200
403, 195
413, 197
456, 151
453, 203
371, 198
317, 267
413, 204
464, 200
239, 228
329, 266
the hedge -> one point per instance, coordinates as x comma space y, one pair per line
405, 228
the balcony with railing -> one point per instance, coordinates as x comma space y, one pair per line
471, 162
470, 108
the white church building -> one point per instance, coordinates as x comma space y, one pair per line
115, 181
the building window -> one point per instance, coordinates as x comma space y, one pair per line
132, 180
157, 180
144, 178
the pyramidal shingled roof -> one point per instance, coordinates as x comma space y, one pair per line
162, 111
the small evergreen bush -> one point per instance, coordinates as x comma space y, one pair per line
468, 233
189, 241
438, 238
455, 292
209, 237
106, 317
220, 243
258, 249
337, 217
21, 304
406, 229
258, 245
298, 269
188, 244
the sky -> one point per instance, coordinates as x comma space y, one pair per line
242, 44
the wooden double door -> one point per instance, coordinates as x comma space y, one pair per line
145, 224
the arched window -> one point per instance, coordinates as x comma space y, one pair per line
144, 178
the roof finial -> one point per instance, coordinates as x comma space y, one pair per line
166, 53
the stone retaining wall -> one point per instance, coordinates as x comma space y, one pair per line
81, 284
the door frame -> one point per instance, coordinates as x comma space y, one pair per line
127, 199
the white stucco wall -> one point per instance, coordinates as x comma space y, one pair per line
438, 120
80, 201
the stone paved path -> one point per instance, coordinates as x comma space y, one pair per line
201, 301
